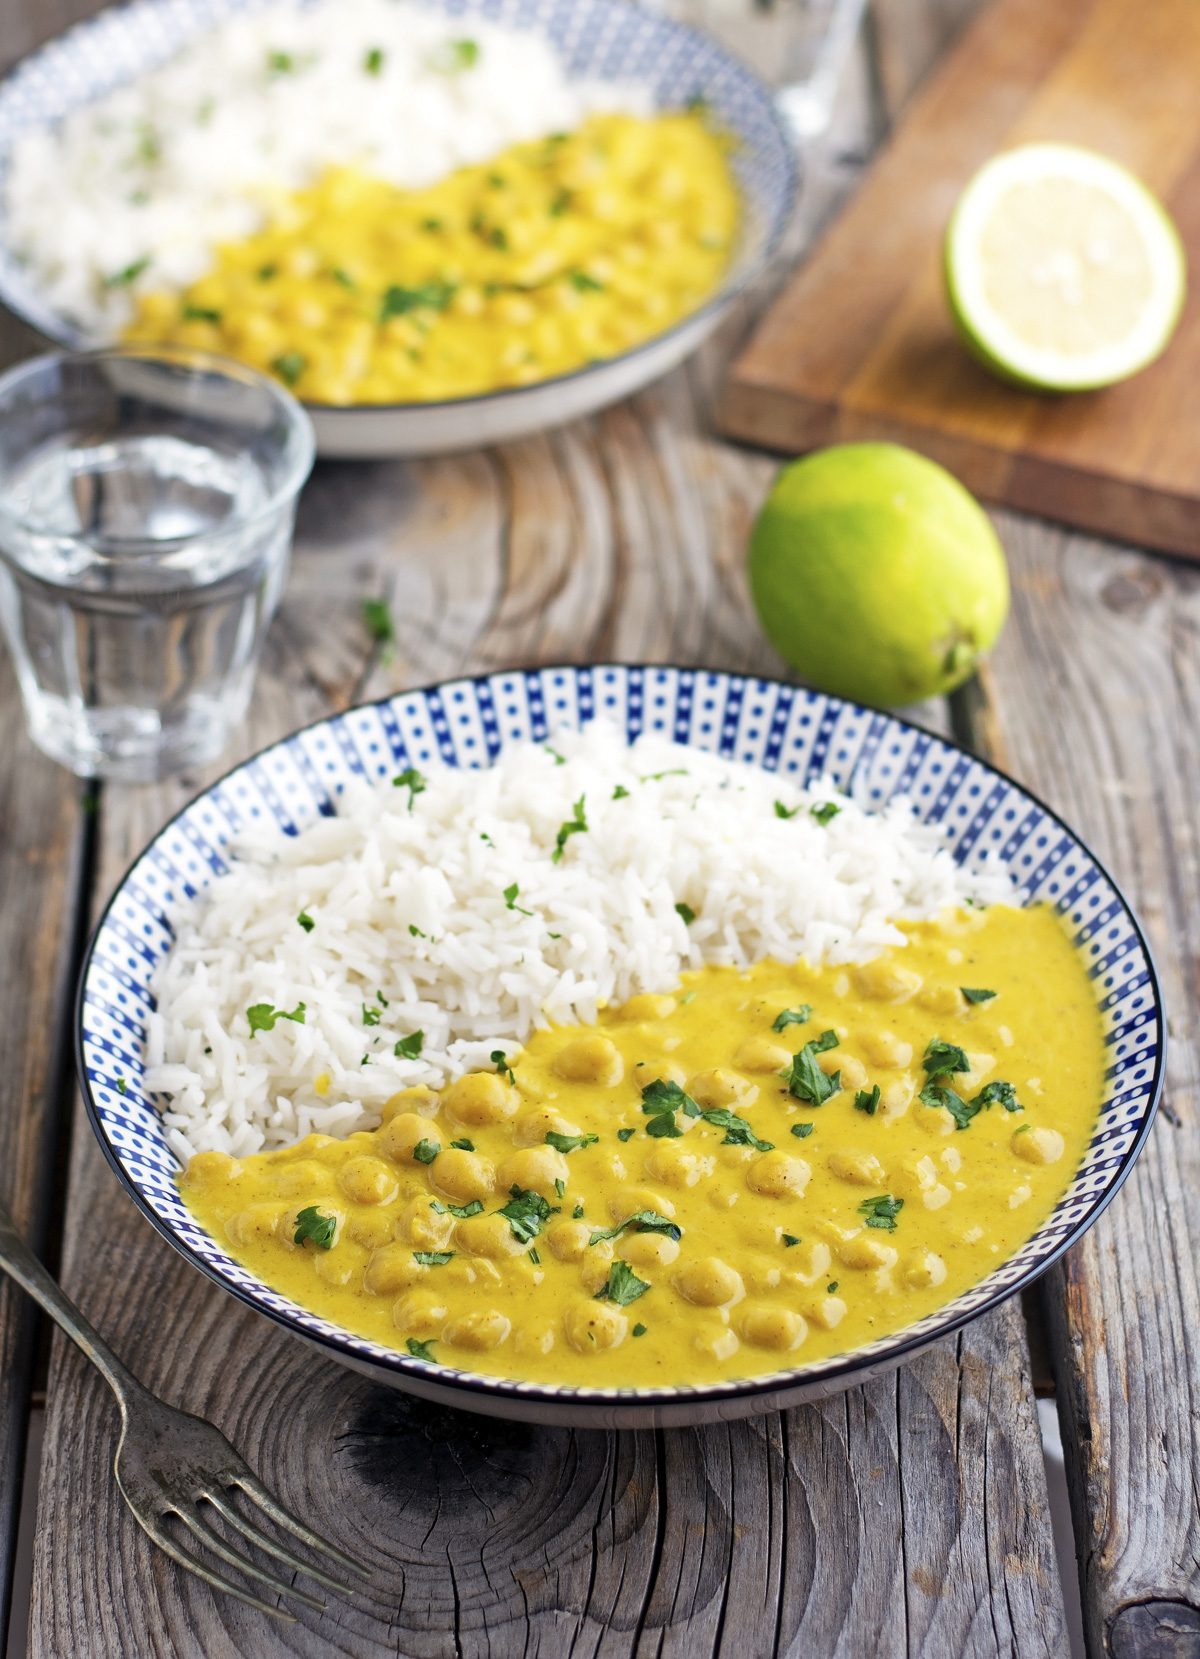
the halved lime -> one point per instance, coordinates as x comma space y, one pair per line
1063, 272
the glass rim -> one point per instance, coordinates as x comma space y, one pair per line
300, 434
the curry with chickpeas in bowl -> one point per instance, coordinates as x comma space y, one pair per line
762, 1167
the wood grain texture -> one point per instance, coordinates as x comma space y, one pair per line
1095, 692
861, 345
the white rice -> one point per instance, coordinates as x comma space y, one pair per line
412, 922
149, 178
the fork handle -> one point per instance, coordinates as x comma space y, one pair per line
20, 1263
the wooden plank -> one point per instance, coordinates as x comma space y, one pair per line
861, 345
1094, 706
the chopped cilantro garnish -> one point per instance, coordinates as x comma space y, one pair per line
577, 1212
305, 921
510, 899
422, 1350
867, 1100
573, 826
737, 1131
976, 996
624, 1134
122, 279
266, 272
433, 1258
826, 813
673, 772
426, 1151
121, 1085
793, 1016
316, 1228
560, 1188
560, 203
373, 62
569, 1143
289, 367
409, 1048
371, 1016
378, 619
803, 1130
199, 314
453, 56
689, 996
806, 1080
881, 1212
620, 793
411, 780
943, 1058
430, 296
962, 1112
533, 1256
660, 1101
831, 1287
415, 931
642, 1221
526, 1214
623, 1285
583, 283
262, 1016
463, 1145
500, 1061
280, 63
638, 1330
998, 1091
687, 914
462, 1211
789, 1239
559, 760
782, 811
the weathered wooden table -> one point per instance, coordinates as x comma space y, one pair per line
906, 1517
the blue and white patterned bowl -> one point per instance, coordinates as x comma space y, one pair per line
468, 723
597, 39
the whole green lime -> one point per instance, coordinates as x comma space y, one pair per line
876, 575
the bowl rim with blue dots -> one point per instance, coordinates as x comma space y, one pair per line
804, 735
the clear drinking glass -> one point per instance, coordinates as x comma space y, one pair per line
146, 510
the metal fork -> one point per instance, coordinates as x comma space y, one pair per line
169, 1462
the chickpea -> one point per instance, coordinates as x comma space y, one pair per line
778, 1175
854, 1073
591, 1059
1038, 1146
257, 1223
594, 1269
569, 1239
480, 1331
760, 1275
951, 1157
807, 1262
425, 1228
489, 1235
915, 1176
338, 1267
896, 1097
923, 1269
594, 1326
368, 1181
761, 1054
827, 1312
772, 1327
720, 1087
207, 1170
420, 1313
471, 1270
936, 1119
402, 1134
715, 1342
305, 1178
678, 1167
392, 1269
942, 999
660, 1071
536, 1122
372, 1229
864, 1252
885, 1049
709, 1283
861, 1169
884, 981
462, 1176
648, 1007
424, 1102
480, 1098
626, 1201
536, 1168
647, 1249
534, 1338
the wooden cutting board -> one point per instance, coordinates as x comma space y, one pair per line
860, 344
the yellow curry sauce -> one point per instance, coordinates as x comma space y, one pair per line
555, 254
483, 1229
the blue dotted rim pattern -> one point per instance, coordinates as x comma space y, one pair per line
597, 39
781, 728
